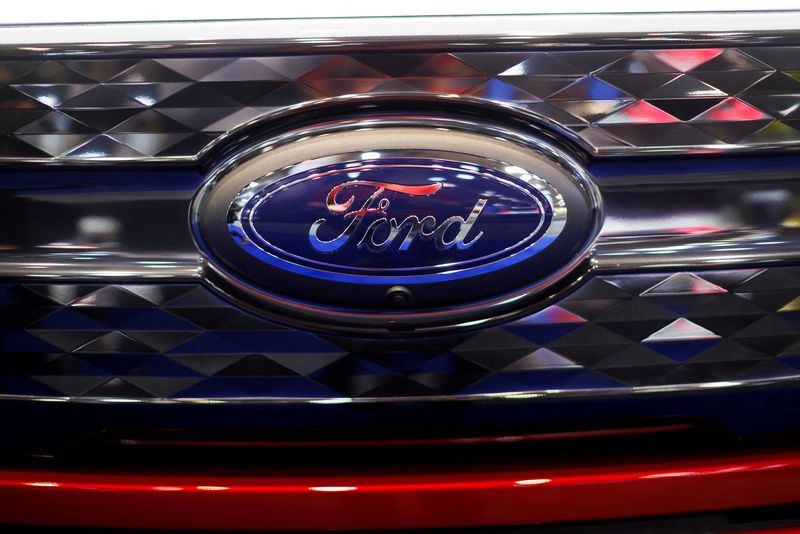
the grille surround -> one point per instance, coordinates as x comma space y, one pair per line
84, 167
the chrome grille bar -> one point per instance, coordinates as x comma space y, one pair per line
609, 102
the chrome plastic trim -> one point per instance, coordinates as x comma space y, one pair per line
103, 266
719, 329
743, 248
737, 248
497, 32
609, 102
519, 395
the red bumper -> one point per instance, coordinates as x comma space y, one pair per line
395, 499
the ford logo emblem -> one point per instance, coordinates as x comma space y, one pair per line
391, 230
402, 217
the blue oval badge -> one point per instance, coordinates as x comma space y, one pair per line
369, 218
356, 229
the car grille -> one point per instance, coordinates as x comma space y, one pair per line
691, 307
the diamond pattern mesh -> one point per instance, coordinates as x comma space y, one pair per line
181, 341
610, 101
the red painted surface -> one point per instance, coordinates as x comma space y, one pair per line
399, 498
780, 530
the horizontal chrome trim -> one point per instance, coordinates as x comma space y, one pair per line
733, 248
104, 266
417, 33
478, 397
736, 248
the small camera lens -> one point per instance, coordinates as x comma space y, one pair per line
398, 296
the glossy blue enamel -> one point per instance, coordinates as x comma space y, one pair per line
396, 217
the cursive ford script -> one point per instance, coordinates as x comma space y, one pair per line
372, 239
